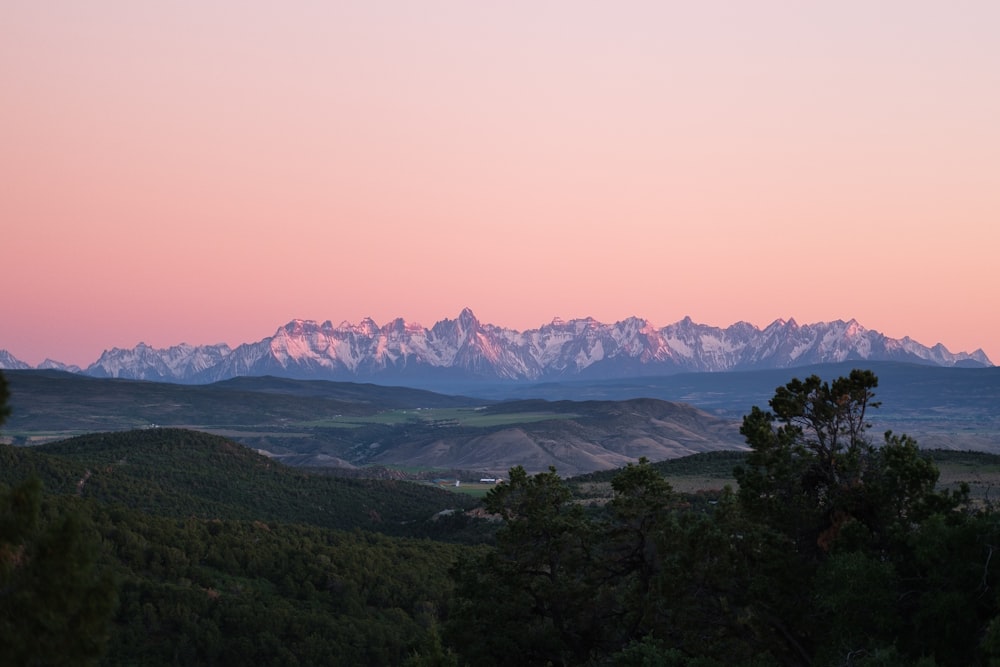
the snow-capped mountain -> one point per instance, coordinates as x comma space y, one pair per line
465, 349
9, 361
180, 363
51, 364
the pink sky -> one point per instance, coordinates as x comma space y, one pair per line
203, 172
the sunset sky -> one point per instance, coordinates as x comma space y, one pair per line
203, 172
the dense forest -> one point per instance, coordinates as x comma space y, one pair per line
170, 547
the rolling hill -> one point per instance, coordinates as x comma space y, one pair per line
316, 423
577, 426
182, 473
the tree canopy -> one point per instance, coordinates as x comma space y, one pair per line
836, 549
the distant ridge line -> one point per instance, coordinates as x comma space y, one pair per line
465, 349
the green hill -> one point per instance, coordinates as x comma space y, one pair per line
345, 425
181, 473
217, 554
192, 549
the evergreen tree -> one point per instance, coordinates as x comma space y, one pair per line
862, 534
54, 604
530, 600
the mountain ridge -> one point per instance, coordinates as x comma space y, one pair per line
466, 349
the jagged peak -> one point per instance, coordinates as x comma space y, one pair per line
588, 322
743, 325
853, 328
780, 323
364, 349
398, 324
368, 326
10, 362
298, 324
575, 323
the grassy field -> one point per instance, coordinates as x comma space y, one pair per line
980, 471
714, 471
471, 417
474, 489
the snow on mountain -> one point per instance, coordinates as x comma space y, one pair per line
51, 364
177, 363
10, 362
467, 349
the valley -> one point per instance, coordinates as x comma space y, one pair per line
344, 425
201, 549
577, 426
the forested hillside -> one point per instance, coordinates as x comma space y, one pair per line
834, 550
186, 548
174, 472
822, 545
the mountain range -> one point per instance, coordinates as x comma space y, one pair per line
465, 349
